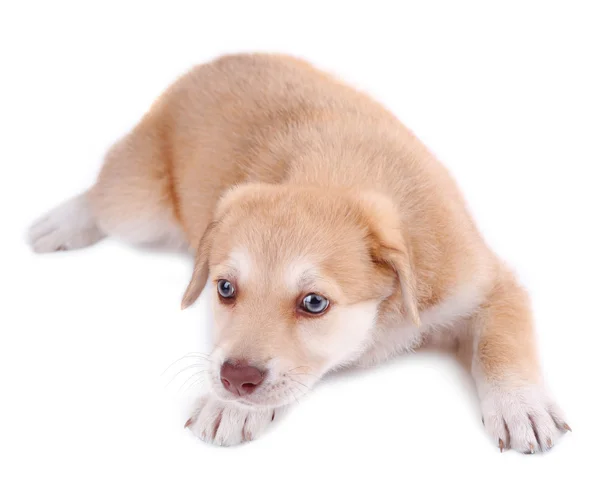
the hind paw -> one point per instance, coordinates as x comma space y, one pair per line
70, 225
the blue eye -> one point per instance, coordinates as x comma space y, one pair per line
225, 288
315, 304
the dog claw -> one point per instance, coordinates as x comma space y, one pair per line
567, 427
501, 445
188, 423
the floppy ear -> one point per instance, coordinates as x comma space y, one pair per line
200, 273
234, 195
390, 247
399, 260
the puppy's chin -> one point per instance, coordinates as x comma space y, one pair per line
272, 400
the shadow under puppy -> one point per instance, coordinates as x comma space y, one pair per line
330, 235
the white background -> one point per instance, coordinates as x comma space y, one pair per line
507, 97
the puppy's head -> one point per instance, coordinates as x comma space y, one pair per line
297, 276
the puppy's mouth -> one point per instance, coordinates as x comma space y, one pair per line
273, 391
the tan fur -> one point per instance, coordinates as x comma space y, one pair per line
267, 155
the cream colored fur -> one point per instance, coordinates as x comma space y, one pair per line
285, 181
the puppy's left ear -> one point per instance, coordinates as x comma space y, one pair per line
200, 273
390, 247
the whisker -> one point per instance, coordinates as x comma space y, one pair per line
201, 380
292, 391
187, 355
299, 382
185, 369
303, 392
299, 367
301, 374
199, 376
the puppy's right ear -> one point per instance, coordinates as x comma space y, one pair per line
200, 273
234, 195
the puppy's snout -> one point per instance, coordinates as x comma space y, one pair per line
240, 378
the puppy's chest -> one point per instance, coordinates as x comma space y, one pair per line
441, 326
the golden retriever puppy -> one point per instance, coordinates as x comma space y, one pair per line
330, 237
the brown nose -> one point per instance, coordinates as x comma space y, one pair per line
240, 378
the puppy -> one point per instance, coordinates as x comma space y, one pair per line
330, 236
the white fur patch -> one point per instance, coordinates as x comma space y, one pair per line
391, 338
151, 230
241, 261
228, 423
459, 304
70, 225
298, 273
521, 418
342, 335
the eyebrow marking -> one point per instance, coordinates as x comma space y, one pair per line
238, 265
300, 273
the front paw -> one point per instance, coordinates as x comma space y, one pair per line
523, 418
228, 423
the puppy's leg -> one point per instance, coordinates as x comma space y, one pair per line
229, 423
517, 411
133, 199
